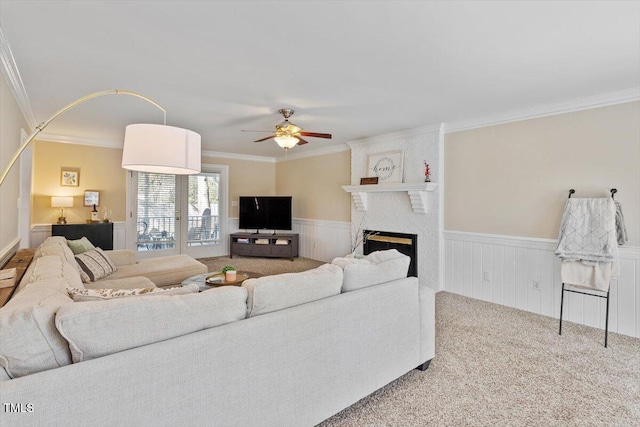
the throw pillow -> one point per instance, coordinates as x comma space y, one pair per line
81, 245
80, 295
95, 264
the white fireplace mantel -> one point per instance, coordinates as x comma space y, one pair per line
417, 192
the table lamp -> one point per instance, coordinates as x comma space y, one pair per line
62, 202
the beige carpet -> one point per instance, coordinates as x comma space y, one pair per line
497, 366
264, 266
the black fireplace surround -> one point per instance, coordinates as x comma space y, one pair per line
382, 240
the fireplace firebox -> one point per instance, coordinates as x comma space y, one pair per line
382, 240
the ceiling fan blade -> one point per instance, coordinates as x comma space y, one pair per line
264, 139
302, 141
316, 134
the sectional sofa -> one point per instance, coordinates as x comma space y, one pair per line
290, 349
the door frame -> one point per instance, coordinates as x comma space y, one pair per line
181, 202
223, 191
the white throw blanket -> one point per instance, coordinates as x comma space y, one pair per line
587, 243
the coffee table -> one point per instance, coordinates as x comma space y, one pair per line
201, 279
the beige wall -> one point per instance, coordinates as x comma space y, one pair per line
100, 169
247, 178
513, 179
315, 184
11, 121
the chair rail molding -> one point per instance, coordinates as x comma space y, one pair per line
524, 273
418, 194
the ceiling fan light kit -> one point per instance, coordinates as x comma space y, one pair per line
286, 141
288, 135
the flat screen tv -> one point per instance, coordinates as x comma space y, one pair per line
265, 212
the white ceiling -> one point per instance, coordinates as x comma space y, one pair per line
351, 68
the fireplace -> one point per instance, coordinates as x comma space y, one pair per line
404, 243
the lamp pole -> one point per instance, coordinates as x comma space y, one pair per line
75, 103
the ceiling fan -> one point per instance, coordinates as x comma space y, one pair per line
288, 135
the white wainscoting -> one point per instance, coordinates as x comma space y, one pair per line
502, 269
39, 232
320, 240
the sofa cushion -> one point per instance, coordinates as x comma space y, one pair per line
52, 267
57, 245
95, 264
373, 269
271, 293
168, 270
79, 295
29, 340
121, 257
98, 328
79, 246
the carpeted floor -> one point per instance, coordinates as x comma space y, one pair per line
264, 266
498, 366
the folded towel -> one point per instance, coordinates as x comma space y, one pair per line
596, 276
621, 229
588, 231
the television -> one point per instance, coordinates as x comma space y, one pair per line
265, 212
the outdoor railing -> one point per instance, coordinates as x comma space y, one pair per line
158, 232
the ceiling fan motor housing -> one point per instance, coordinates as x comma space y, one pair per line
286, 112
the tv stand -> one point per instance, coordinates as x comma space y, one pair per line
284, 245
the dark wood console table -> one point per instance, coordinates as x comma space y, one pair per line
100, 234
283, 245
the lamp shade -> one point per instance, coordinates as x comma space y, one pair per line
61, 202
286, 141
161, 149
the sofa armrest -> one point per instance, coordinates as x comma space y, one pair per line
121, 257
427, 298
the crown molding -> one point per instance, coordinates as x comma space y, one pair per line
392, 136
14, 81
234, 156
542, 110
66, 139
315, 153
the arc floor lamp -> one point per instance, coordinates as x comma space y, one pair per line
147, 147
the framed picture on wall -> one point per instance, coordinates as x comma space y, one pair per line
386, 166
69, 177
91, 197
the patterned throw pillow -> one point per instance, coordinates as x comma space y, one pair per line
80, 295
81, 245
95, 264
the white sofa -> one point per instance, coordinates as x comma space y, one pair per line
281, 350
